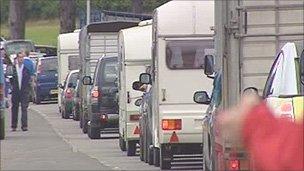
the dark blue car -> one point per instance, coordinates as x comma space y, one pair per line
46, 81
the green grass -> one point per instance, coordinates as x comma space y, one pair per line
40, 32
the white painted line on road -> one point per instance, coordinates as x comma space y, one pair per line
73, 147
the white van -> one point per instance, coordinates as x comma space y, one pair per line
68, 57
134, 55
181, 39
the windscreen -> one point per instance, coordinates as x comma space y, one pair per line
49, 64
15, 47
110, 71
187, 54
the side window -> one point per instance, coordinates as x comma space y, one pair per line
268, 89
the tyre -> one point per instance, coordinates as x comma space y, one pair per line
2, 127
150, 156
156, 156
37, 100
84, 126
122, 143
80, 122
131, 148
93, 132
165, 158
141, 149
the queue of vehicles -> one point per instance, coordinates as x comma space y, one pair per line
149, 92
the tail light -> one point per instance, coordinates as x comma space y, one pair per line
69, 93
287, 111
95, 94
172, 124
234, 165
134, 117
103, 118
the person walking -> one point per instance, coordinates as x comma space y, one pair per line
20, 81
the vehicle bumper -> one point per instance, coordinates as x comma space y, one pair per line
183, 148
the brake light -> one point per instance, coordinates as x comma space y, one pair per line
103, 118
171, 124
286, 107
134, 117
234, 165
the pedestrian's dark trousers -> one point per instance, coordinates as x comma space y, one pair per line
23, 99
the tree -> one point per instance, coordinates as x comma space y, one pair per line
67, 16
137, 6
17, 19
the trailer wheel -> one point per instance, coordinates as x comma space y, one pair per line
165, 158
150, 155
156, 156
141, 149
122, 143
131, 148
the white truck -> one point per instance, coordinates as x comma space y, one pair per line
249, 35
68, 58
181, 39
134, 55
96, 40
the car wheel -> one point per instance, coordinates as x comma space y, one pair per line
93, 132
122, 143
37, 100
165, 158
84, 126
156, 156
131, 148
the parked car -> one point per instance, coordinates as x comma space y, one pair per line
47, 50
68, 93
76, 106
2, 100
46, 79
103, 106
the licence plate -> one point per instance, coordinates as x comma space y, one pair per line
54, 92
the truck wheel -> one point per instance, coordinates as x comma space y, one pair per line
165, 158
93, 132
156, 157
122, 143
150, 155
131, 148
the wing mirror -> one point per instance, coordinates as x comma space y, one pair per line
201, 97
138, 102
136, 85
87, 80
145, 78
